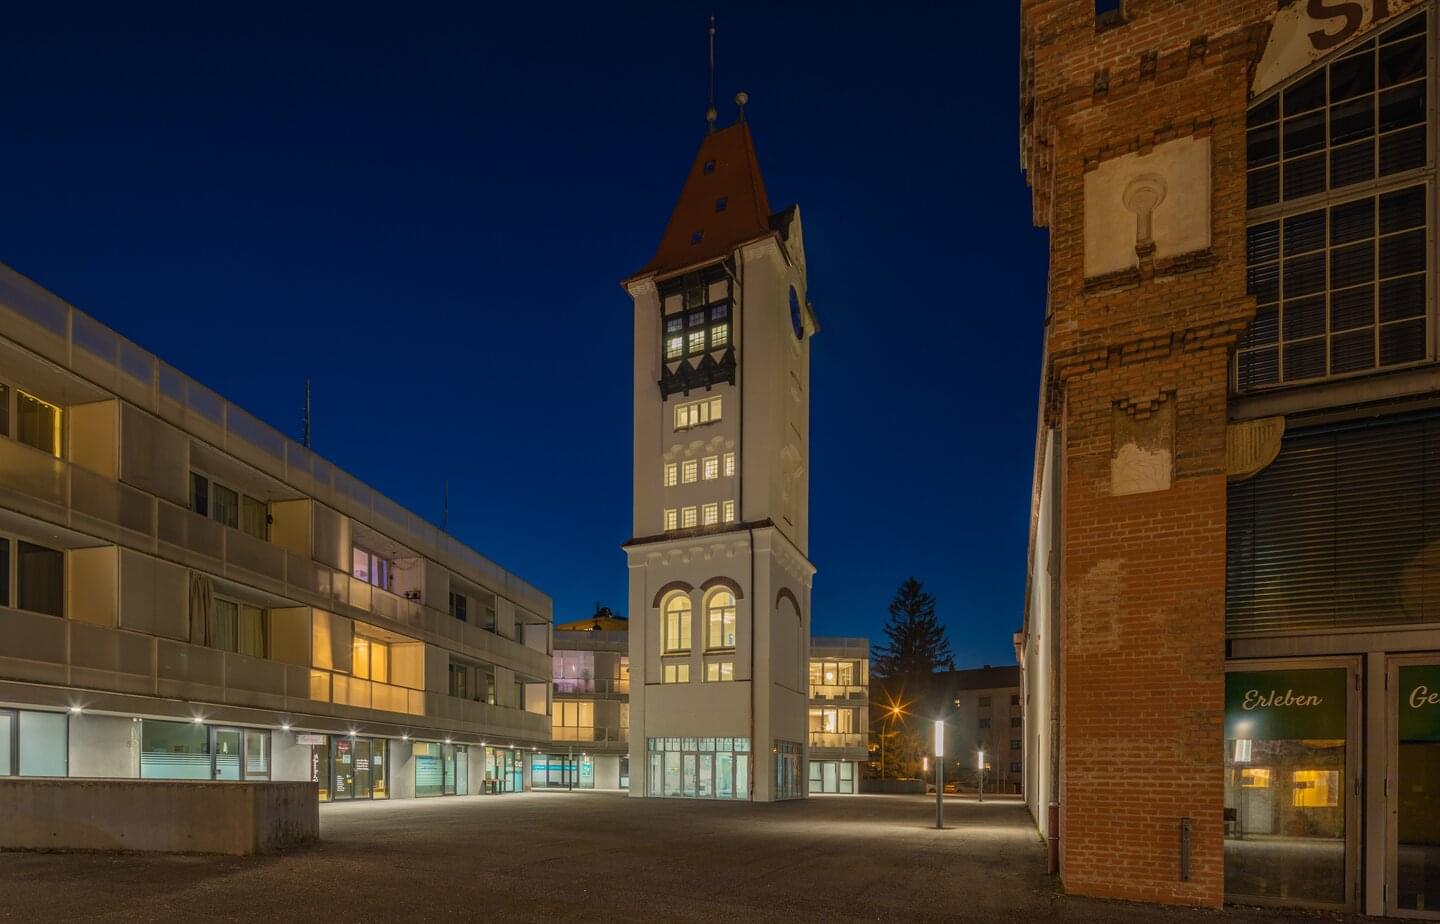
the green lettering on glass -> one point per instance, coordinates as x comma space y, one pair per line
1285, 705
1420, 702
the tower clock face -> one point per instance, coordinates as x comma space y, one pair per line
797, 323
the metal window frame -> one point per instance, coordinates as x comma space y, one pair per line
1375, 187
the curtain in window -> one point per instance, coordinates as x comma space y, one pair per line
251, 636
42, 579
202, 604
227, 618
252, 516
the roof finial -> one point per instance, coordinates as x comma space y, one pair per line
710, 112
741, 99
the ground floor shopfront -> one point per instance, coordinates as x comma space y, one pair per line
840, 777
579, 771
43, 742
1332, 774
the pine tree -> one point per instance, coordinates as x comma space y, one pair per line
917, 644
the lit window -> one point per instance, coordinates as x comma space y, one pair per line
1255, 777
677, 673
696, 320
368, 567
671, 474
712, 468
689, 471
672, 519
728, 511
720, 671
677, 623
720, 619
674, 347
697, 343
687, 517
729, 464
1316, 788
370, 659
719, 335
709, 514
697, 412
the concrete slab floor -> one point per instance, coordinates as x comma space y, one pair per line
598, 857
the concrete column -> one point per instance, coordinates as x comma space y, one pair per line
402, 770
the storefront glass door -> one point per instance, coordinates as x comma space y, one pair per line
1290, 825
225, 745
1414, 798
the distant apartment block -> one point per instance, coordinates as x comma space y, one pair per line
839, 713
187, 593
988, 719
590, 723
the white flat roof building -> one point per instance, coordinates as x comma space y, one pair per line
186, 592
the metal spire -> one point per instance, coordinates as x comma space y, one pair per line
710, 113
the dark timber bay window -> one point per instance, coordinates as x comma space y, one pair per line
1338, 191
696, 320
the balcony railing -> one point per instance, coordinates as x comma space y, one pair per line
571, 686
837, 740
589, 735
839, 691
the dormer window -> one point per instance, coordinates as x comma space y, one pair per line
709, 167
721, 203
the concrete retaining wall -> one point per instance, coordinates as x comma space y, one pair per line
157, 815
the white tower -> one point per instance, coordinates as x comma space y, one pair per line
719, 569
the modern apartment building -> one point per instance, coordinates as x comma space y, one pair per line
590, 721
719, 574
839, 713
186, 593
1231, 646
986, 722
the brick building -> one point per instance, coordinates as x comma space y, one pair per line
1231, 647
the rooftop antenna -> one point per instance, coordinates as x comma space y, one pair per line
710, 113
305, 421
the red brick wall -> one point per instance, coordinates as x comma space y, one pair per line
1143, 604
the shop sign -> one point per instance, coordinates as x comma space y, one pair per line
1420, 702
1306, 30
1285, 705
309, 739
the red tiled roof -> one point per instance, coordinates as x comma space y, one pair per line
734, 177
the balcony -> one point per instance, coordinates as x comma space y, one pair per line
854, 693
837, 740
588, 686
589, 735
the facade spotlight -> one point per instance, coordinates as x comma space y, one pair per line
74, 710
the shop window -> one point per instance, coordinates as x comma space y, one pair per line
33, 743
1315, 788
174, 750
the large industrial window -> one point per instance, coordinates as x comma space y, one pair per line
1338, 192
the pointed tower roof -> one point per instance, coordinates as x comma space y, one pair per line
722, 205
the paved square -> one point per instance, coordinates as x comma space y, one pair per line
595, 856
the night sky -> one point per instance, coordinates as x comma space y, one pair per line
426, 210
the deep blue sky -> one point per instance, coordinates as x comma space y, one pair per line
426, 210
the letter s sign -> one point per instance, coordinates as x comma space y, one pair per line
1353, 12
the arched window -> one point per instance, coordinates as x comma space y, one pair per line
720, 617
677, 622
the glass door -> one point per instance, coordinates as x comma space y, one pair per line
707, 776
344, 763
362, 787
225, 745
1414, 795
831, 771
257, 754
1290, 826
688, 772
462, 770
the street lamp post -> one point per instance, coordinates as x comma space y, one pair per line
981, 768
939, 773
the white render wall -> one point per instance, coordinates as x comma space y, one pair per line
104, 746
765, 420
1037, 670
